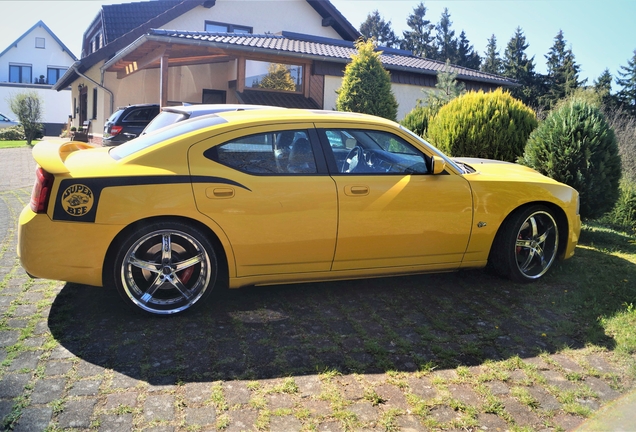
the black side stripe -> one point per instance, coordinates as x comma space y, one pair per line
98, 184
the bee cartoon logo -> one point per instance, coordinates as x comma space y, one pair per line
77, 200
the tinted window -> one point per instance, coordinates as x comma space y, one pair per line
368, 151
284, 152
164, 119
142, 114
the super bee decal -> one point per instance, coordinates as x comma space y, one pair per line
78, 202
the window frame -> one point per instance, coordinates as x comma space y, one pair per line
43, 40
230, 27
59, 71
302, 67
20, 67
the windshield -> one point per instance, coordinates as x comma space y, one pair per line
165, 134
448, 160
165, 118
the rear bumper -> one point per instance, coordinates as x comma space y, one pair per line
67, 251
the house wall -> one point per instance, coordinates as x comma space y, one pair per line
264, 16
39, 58
56, 105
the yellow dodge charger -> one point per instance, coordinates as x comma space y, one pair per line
279, 196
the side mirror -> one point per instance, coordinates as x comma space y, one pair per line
438, 165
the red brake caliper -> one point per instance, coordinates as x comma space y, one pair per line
186, 274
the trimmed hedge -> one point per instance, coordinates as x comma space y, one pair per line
486, 125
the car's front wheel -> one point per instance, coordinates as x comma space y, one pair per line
165, 268
527, 244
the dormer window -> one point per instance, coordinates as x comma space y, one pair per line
218, 27
40, 42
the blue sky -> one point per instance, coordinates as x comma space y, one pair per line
601, 33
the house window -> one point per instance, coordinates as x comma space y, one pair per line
217, 27
94, 103
20, 74
39, 42
273, 76
53, 74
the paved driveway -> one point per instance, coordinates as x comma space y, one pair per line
414, 353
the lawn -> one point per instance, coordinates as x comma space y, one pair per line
13, 144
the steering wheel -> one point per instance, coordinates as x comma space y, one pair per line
354, 158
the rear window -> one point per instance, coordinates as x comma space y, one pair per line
165, 118
141, 114
114, 115
161, 135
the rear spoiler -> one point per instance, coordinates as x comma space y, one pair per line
51, 155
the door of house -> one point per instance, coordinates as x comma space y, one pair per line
83, 108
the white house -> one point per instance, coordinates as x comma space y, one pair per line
217, 51
36, 61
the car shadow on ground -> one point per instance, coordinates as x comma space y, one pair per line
362, 326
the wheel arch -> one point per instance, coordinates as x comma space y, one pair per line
221, 253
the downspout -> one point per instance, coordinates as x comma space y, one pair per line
110, 93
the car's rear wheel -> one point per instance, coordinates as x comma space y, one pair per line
527, 244
165, 268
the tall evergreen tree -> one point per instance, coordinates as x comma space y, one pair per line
492, 61
374, 27
447, 88
419, 39
518, 66
466, 54
627, 81
445, 40
563, 72
603, 87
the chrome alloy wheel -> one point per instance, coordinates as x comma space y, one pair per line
537, 244
165, 271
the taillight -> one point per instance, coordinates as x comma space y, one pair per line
114, 130
41, 191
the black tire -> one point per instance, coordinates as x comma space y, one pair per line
526, 245
167, 282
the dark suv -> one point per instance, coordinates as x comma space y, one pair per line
127, 123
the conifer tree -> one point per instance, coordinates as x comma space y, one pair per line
627, 81
374, 27
492, 61
563, 72
445, 40
603, 88
366, 86
447, 88
466, 54
419, 39
278, 78
518, 66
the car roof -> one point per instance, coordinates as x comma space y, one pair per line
201, 109
279, 115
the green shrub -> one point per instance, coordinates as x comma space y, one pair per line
487, 125
624, 212
366, 86
576, 146
417, 120
15, 133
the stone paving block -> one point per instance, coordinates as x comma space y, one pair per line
443, 413
12, 385
57, 367
86, 369
523, 415
279, 400
161, 384
34, 296
364, 411
59, 352
308, 385
236, 392
422, 387
567, 421
602, 389
5, 301
556, 379
160, 428
242, 420
546, 401
197, 392
200, 416
567, 363
498, 388
76, 414
350, 388
18, 323
330, 426
85, 388
121, 381
48, 390
6, 406
114, 400
392, 396
492, 422
287, 423
410, 423
116, 423
25, 360
159, 407
317, 408
24, 310
34, 419
598, 362
9, 337
41, 327
465, 394
34, 341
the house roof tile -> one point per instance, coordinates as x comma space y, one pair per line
280, 99
325, 49
119, 19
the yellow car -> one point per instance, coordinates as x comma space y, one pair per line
279, 196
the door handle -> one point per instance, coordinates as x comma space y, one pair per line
221, 193
357, 190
